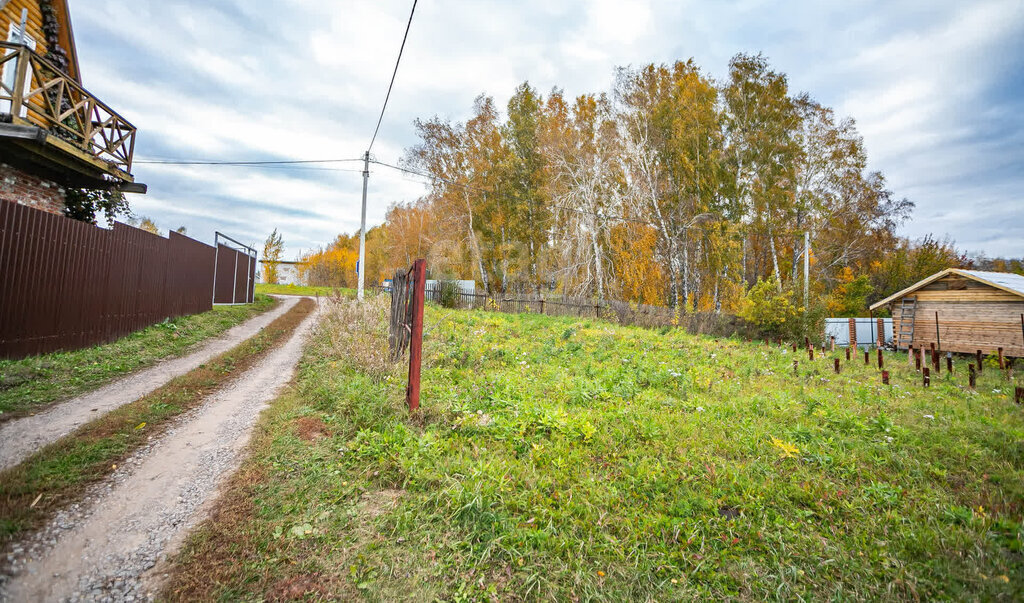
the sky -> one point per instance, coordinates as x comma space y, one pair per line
936, 89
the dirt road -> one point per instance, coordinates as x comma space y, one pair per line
21, 437
102, 548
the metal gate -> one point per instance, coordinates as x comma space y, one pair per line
234, 271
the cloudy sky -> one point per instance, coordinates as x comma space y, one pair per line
936, 87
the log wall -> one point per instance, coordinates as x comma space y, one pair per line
972, 316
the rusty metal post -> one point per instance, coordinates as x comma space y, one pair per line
794, 347
910, 353
807, 342
810, 353
949, 362
1018, 395
412, 394
832, 343
938, 339
835, 364
847, 353
917, 362
885, 377
881, 361
1000, 352
927, 379
978, 356
867, 358
972, 376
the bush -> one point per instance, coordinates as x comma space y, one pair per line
448, 293
773, 313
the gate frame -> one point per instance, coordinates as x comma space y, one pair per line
250, 253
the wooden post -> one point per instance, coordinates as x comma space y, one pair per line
853, 332
881, 332
836, 365
972, 376
881, 362
885, 377
419, 274
927, 379
978, 356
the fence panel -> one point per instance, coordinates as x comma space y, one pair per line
67, 284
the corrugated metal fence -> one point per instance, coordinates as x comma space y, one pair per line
68, 285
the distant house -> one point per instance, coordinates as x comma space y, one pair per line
54, 134
287, 272
961, 311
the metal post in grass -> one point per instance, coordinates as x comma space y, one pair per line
412, 394
867, 357
807, 342
847, 353
949, 362
910, 354
972, 376
935, 359
999, 351
917, 362
881, 360
836, 365
794, 347
977, 355
926, 377
796, 366
885, 377
810, 353
1018, 395
832, 343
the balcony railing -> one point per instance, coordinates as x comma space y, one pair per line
35, 92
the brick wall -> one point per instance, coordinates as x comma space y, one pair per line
22, 187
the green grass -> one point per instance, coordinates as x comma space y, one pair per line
558, 458
28, 384
58, 473
270, 289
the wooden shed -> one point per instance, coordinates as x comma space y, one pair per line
961, 311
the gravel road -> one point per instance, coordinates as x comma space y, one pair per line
102, 548
21, 437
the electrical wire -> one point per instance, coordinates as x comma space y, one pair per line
240, 163
393, 74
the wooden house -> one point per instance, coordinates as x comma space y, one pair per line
54, 134
961, 311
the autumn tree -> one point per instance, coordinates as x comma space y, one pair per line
273, 247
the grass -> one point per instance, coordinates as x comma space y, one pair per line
270, 289
29, 384
558, 458
56, 475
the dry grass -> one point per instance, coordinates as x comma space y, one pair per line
358, 332
60, 473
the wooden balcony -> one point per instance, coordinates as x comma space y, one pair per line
43, 108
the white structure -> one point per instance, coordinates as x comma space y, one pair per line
287, 272
866, 329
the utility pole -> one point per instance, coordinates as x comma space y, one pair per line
362, 227
807, 269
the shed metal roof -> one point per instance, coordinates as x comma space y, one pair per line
1007, 281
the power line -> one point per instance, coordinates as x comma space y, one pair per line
240, 163
393, 74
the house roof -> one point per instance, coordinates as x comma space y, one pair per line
1006, 281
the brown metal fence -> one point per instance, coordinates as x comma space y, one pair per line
68, 285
